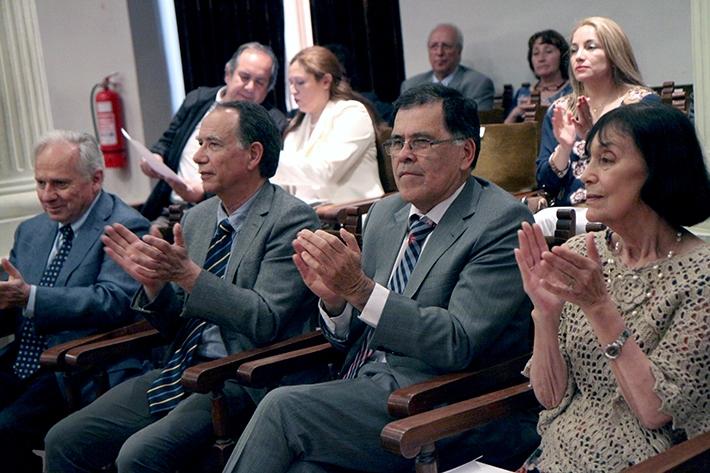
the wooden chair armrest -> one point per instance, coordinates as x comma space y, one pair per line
205, 377
407, 437
455, 387
53, 357
268, 371
119, 347
690, 456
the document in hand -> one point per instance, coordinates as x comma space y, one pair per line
156, 164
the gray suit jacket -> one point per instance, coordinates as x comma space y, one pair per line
464, 304
471, 83
91, 293
262, 297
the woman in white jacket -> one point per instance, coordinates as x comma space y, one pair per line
330, 150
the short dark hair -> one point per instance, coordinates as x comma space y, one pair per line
557, 40
255, 125
678, 186
460, 113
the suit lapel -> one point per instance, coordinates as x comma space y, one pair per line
456, 80
206, 222
46, 234
87, 237
449, 229
250, 228
395, 229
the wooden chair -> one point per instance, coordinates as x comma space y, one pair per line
415, 436
494, 115
508, 154
679, 97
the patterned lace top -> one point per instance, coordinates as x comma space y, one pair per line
666, 306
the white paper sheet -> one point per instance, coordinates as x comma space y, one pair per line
155, 164
477, 467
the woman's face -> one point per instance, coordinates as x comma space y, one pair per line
545, 59
310, 94
613, 178
589, 61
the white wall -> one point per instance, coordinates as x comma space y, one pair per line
496, 33
83, 41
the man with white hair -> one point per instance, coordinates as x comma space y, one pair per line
445, 44
60, 286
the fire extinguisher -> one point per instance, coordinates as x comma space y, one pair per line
107, 116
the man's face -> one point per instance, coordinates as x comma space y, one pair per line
427, 177
63, 190
222, 162
444, 53
250, 80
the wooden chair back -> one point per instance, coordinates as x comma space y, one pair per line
384, 163
494, 115
505, 99
508, 154
680, 96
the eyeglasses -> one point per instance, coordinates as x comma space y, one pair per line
417, 145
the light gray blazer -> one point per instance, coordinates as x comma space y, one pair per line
262, 297
464, 303
471, 83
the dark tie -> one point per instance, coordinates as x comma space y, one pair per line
31, 344
419, 229
166, 391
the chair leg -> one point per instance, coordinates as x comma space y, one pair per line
426, 461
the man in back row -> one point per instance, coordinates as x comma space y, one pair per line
435, 290
249, 76
445, 44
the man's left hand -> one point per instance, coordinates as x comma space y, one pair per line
14, 292
337, 264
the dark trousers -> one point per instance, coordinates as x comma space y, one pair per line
28, 408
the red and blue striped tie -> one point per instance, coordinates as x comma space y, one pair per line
419, 229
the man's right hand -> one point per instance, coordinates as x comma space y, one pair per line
147, 170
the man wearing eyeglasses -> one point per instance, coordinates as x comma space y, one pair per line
248, 76
435, 290
445, 44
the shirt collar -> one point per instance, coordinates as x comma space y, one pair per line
236, 219
437, 212
446, 80
76, 225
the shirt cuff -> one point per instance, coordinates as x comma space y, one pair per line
338, 325
29, 310
372, 312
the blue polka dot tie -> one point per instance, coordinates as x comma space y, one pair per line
419, 229
166, 391
31, 343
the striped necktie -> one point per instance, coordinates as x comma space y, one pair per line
419, 229
166, 391
31, 343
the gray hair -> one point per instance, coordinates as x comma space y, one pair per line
457, 33
91, 159
231, 65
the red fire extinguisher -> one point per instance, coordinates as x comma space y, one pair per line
107, 115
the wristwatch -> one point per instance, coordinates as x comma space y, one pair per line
613, 350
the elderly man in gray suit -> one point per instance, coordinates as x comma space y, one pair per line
234, 287
445, 44
435, 290
60, 286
